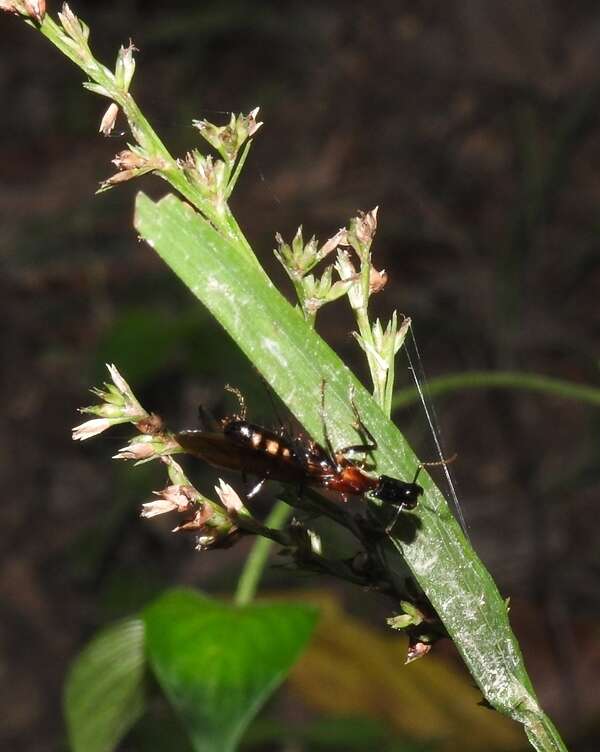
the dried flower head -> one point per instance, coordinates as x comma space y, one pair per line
416, 650
210, 175
132, 163
364, 227
130, 159
151, 425
228, 139
177, 498
377, 280
203, 514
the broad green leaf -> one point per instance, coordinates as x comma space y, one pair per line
104, 691
218, 663
295, 360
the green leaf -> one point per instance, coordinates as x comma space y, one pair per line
294, 360
218, 663
104, 691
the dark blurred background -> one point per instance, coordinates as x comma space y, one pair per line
475, 127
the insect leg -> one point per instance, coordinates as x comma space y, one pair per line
370, 445
328, 443
390, 526
256, 488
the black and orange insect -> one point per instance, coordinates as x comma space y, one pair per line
254, 450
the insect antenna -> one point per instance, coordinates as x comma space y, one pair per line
418, 375
439, 463
241, 400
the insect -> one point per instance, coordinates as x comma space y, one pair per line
248, 448
335, 471
252, 449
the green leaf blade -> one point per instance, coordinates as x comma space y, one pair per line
104, 690
294, 360
219, 663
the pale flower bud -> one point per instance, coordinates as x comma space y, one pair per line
118, 405
340, 238
154, 508
136, 450
108, 120
118, 401
229, 498
91, 428
345, 268
402, 332
74, 27
125, 67
252, 125
147, 447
